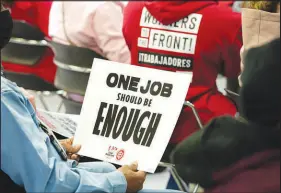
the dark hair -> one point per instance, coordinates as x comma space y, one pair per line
260, 95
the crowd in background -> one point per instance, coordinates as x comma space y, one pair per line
239, 147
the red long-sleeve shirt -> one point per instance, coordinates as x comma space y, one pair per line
36, 13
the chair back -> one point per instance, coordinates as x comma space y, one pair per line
27, 45
73, 66
30, 81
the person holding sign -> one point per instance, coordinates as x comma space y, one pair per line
133, 114
30, 162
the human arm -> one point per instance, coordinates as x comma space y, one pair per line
31, 162
107, 26
231, 53
29, 96
66, 143
232, 80
132, 8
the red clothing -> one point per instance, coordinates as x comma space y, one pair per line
257, 173
226, 3
37, 14
187, 45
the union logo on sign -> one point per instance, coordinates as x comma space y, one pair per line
120, 154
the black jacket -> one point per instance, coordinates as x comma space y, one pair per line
223, 142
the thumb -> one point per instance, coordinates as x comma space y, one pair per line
134, 166
75, 148
72, 149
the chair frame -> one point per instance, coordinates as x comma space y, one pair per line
174, 172
29, 42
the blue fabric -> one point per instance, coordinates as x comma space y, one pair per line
30, 160
172, 184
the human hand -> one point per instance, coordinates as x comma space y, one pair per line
134, 178
29, 96
71, 149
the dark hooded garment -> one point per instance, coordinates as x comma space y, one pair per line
5, 31
241, 154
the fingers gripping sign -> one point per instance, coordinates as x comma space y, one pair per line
71, 149
135, 178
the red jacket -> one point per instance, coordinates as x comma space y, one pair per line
226, 3
204, 43
37, 14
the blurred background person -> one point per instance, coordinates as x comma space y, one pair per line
35, 13
94, 25
166, 30
235, 154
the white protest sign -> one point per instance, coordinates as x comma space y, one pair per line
129, 113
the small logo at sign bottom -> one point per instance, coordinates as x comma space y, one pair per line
120, 154
111, 152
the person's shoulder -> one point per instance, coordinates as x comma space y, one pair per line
12, 99
225, 22
223, 124
8, 87
224, 14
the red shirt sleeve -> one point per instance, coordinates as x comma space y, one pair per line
132, 14
42, 12
126, 21
35, 13
231, 51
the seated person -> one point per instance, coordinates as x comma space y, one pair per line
37, 14
241, 154
187, 36
99, 28
31, 162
